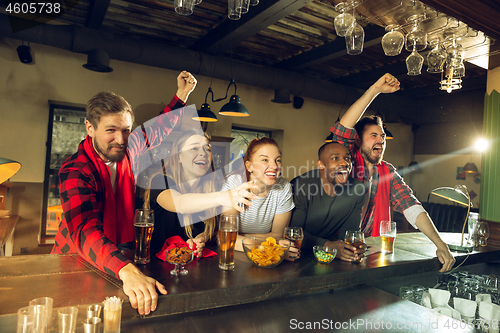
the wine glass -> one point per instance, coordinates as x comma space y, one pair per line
483, 232
414, 63
179, 266
416, 39
294, 234
354, 39
355, 238
342, 21
393, 41
436, 57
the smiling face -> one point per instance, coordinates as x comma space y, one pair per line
335, 163
110, 138
372, 145
195, 157
265, 165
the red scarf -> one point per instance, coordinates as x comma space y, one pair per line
118, 204
382, 210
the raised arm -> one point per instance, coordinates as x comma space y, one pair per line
386, 84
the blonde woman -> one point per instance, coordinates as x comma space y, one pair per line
184, 196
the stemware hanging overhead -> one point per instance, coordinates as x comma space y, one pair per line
393, 41
416, 39
414, 63
344, 20
436, 57
354, 39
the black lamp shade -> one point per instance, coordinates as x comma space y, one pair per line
388, 134
470, 168
234, 108
98, 61
205, 114
329, 138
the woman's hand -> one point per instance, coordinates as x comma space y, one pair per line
293, 253
241, 195
200, 244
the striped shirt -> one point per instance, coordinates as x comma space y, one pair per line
258, 218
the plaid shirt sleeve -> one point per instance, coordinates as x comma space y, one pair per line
154, 132
81, 230
344, 135
402, 196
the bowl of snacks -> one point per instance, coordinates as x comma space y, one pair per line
265, 253
324, 254
179, 256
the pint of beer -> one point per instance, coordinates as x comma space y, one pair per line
228, 233
387, 236
143, 227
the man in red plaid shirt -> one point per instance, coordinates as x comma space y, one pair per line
97, 188
365, 139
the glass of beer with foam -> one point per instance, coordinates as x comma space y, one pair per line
387, 236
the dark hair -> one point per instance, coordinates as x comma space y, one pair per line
368, 120
254, 145
323, 147
104, 103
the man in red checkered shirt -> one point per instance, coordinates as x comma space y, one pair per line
366, 140
97, 188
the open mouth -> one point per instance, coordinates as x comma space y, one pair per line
201, 163
377, 150
342, 174
271, 175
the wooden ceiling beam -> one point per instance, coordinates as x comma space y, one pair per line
329, 51
96, 14
230, 33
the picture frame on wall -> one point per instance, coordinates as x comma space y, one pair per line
460, 173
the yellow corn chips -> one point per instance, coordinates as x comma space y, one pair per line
267, 253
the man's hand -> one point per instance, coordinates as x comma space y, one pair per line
347, 252
445, 257
386, 84
140, 289
185, 85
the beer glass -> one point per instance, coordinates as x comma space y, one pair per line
228, 233
355, 238
143, 226
184, 7
294, 234
387, 236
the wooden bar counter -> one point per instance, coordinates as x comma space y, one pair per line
207, 290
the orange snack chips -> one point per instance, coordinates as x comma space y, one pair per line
267, 253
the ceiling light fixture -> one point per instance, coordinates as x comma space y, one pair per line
205, 114
234, 107
98, 61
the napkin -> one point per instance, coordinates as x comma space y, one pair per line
483, 298
426, 300
490, 314
466, 307
439, 297
177, 241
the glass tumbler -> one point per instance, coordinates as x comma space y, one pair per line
393, 41
354, 39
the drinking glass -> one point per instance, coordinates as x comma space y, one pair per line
244, 6
67, 319
294, 234
228, 233
387, 236
48, 303
184, 7
393, 41
414, 63
144, 222
471, 224
25, 319
179, 266
436, 58
234, 9
354, 39
355, 238
483, 232
342, 21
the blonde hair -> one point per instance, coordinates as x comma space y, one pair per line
173, 169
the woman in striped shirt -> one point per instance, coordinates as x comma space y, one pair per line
270, 211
